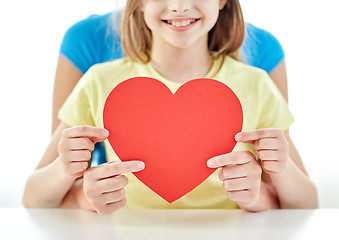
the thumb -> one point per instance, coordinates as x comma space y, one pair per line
245, 137
101, 135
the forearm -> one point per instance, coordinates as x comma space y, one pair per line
47, 187
294, 188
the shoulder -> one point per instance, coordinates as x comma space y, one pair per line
237, 68
93, 23
114, 67
260, 37
243, 78
261, 48
101, 78
94, 29
92, 40
115, 71
257, 34
252, 85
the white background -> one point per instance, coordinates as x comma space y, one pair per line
31, 33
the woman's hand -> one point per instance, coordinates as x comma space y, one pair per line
104, 185
241, 176
75, 148
272, 148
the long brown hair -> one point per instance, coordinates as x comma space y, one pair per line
224, 39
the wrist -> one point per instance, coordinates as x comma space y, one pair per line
267, 200
61, 174
82, 200
281, 176
75, 197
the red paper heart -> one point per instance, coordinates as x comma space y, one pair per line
174, 135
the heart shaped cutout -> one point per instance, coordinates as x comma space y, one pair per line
174, 134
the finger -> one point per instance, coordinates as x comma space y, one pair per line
81, 143
236, 184
240, 157
77, 155
266, 144
111, 197
94, 189
268, 155
109, 170
234, 171
271, 166
115, 168
112, 184
244, 196
78, 167
86, 131
250, 136
110, 208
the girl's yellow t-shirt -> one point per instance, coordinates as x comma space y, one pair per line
262, 103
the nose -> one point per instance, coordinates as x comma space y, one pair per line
179, 6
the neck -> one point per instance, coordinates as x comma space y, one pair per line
181, 64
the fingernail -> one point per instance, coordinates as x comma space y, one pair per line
237, 137
141, 165
210, 163
106, 132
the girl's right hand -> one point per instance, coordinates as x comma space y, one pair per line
103, 185
75, 148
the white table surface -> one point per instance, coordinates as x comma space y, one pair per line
20, 223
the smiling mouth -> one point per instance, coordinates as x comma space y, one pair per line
183, 23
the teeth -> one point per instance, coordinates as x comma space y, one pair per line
181, 23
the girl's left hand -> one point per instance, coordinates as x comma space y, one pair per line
272, 148
241, 176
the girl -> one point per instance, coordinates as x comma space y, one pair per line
175, 41
96, 40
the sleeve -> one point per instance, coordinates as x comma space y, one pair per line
92, 40
76, 45
261, 49
77, 108
274, 111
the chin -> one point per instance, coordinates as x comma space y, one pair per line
188, 42
182, 44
